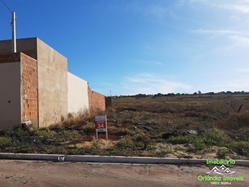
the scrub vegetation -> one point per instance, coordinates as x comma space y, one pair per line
183, 126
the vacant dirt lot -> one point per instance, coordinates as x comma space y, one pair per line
39, 173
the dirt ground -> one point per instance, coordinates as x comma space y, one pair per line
106, 144
45, 174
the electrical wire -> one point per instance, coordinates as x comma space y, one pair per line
6, 6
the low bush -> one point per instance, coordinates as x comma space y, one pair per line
191, 114
241, 147
142, 137
5, 141
180, 139
222, 153
199, 144
124, 144
89, 128
124, 131
236, 121
215, 137
65, 135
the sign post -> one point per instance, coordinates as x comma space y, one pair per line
101, 125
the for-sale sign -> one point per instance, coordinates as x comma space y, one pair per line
100, 123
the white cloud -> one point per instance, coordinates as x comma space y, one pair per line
235, 18
165, 23
240, 41
151, 84
244, 70
227, 72
233, 85
180, 3
203, 31
216, 33
150, 62
240, 8
197, 1
156, 10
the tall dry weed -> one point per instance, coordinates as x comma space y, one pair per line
236, 121
79, 119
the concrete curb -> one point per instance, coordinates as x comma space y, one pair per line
108, 159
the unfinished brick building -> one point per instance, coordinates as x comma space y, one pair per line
36, 86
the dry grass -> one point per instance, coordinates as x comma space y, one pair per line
137, 126
77, 120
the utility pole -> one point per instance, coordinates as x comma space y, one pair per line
111, 97
13, 24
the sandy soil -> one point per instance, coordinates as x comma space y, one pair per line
40, 173
104, 144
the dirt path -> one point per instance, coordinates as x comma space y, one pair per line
39, 173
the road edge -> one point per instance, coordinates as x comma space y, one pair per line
108, 159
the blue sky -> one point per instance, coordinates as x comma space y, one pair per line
142, 46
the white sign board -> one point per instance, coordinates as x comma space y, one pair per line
100, 123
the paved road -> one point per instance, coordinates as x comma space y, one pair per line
45, 174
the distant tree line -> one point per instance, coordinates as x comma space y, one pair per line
140, 95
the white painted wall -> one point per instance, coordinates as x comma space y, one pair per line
10, 96
77, 94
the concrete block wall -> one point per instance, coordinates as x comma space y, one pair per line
29, 89
53, 85
9, 57
22, 94
52, 81
38, 85
24, 45
96, 101
10, 96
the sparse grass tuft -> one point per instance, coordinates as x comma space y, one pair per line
5, 141
123, 131
241, 147
141, 121
180, 139
222, 153
215, 137
125, 144
89, 128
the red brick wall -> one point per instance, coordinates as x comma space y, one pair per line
96, 101
108, 102
30, 89
29, 84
